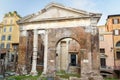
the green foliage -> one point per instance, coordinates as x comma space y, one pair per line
24, 77
65, 75
61, 74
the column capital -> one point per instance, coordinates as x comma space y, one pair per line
23, 33
41, 31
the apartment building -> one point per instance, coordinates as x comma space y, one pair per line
9, 33
109, 44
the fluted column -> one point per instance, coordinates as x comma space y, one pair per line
35, 50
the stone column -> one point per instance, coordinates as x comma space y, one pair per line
35, 50
45, 52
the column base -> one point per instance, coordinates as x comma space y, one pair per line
34, 73
43, 74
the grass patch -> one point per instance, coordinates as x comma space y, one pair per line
61, 74
24, 77
65, 75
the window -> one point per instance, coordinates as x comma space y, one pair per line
101, 37
4, 29
102, 50
103, 62
15, 46
118, 54
116, 32
73, 60
9, 37
8, 45
3, 37
2, 45
115, 21
10, 29
2, 56
118, 44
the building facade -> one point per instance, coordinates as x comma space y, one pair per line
9, 36
56, 28
109, 44
106, 51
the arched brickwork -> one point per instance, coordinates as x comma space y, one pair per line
55, 35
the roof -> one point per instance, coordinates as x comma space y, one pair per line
115, 15
32, 17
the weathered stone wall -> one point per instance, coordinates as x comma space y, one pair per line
21, 68
95, 53
55, 35
89, 58
29, 51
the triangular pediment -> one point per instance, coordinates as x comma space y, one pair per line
54, 11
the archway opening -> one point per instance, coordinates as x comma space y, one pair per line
68, 55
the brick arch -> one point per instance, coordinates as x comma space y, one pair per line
65, 38
76, 33
55, 35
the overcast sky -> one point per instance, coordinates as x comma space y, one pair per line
25, 7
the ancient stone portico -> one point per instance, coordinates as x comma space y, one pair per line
48, 28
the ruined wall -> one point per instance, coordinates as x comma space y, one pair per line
29, 51
55, 35
88, 45
21, 67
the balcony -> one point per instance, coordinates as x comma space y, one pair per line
106, 70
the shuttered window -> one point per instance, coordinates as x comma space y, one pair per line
116, 32
102, 50
101, 37
115, 21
